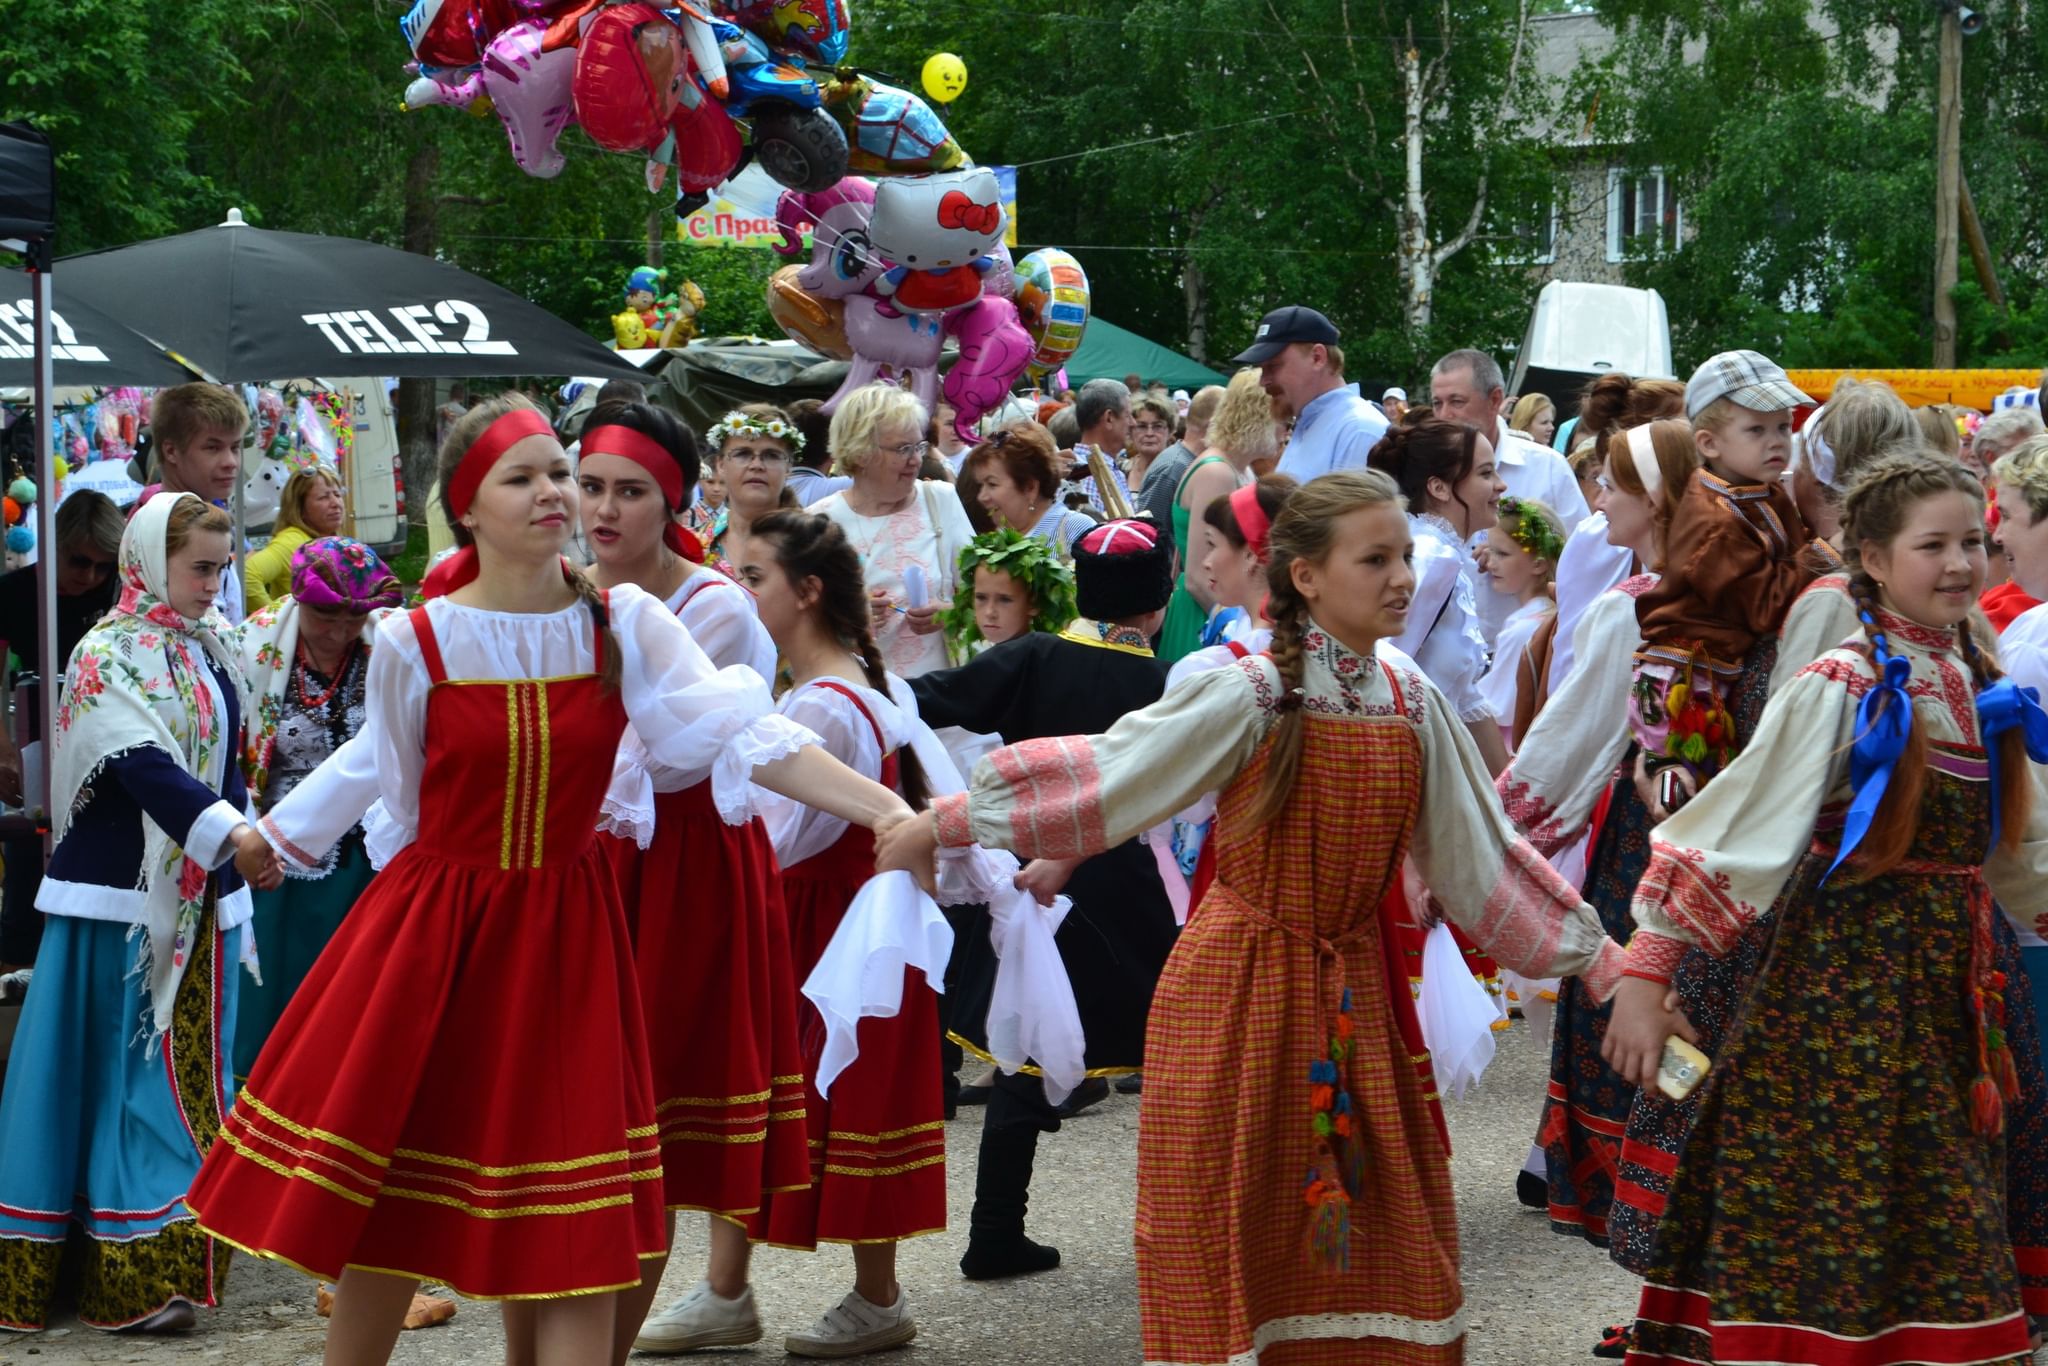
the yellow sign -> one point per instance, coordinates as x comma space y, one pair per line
1970, 388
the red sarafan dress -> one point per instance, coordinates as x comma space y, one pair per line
460, 1092
878, 1144
1294, 1201
703, 901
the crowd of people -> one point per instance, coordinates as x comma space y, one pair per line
1708, 715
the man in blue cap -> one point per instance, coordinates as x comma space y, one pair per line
1301, 366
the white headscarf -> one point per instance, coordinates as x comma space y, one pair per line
136, 680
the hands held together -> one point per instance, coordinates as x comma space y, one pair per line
260, 865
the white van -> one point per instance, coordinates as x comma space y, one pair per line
1580, 332
375, 473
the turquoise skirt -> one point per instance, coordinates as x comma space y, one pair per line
102, 1131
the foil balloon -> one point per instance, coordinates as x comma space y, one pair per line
530, 90
994, 349
810, 320
1052, 302
945, 77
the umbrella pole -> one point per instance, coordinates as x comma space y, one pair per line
51, 674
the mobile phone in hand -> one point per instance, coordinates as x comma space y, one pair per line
1671, 793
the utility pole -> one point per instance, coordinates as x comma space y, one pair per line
1948, 183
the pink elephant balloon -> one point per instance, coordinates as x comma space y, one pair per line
530, 90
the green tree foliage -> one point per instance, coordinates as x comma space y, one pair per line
1179, 147
1801, 138
128, 91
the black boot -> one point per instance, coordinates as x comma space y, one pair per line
996, 1245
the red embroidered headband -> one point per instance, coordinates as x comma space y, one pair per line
650, 455
1252, 520
490, 446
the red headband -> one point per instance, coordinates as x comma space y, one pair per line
650, 455
502, 435
505, 432
1252, 520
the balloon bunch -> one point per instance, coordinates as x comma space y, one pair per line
655, 318
687, 83
899, 266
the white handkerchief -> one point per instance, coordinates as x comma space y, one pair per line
1032, 1014
891, 926
1457, 1015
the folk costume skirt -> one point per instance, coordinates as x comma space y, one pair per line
1834, 1201
711, 942
102, 1131
878, 1145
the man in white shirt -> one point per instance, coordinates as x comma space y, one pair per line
1466, 387
1301, 366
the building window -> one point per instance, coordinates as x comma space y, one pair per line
1528, 235
1643, 215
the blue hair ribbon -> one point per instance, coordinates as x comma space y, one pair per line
1884, 720
2001, 707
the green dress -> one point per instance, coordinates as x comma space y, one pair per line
1185, 617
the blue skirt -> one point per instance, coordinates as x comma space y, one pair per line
101, 1132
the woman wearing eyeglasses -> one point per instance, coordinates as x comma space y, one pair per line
897, 522
89, 529
755, 446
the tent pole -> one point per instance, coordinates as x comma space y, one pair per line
51, 672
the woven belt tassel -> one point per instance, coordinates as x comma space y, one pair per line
1339, 1163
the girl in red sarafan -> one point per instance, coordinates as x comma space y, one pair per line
434, 1104
1294, 1197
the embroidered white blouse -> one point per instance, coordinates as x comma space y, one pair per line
691, 715
1723, 859
1075, 796
1575, 745
929, 532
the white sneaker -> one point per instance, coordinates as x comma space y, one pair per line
702, 1318
855, 1326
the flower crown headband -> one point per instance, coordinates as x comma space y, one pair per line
1532, 531
746, 424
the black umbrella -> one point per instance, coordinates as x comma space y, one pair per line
248, 304
87, 347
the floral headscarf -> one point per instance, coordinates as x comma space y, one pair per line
139, 679
334, 571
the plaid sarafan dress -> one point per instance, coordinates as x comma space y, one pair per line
1294, 1201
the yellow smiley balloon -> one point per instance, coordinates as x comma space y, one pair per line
945, 76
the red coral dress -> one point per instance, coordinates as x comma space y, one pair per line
459, 1092
878, 1146
711, 940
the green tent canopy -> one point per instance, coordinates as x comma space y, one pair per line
1111, 352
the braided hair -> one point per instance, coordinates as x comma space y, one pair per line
810, 546
1305, 529
1875, 511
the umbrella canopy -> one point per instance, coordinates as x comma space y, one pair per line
88, 347
248, 304
28, 184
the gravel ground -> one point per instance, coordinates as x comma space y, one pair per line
1531, 1296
